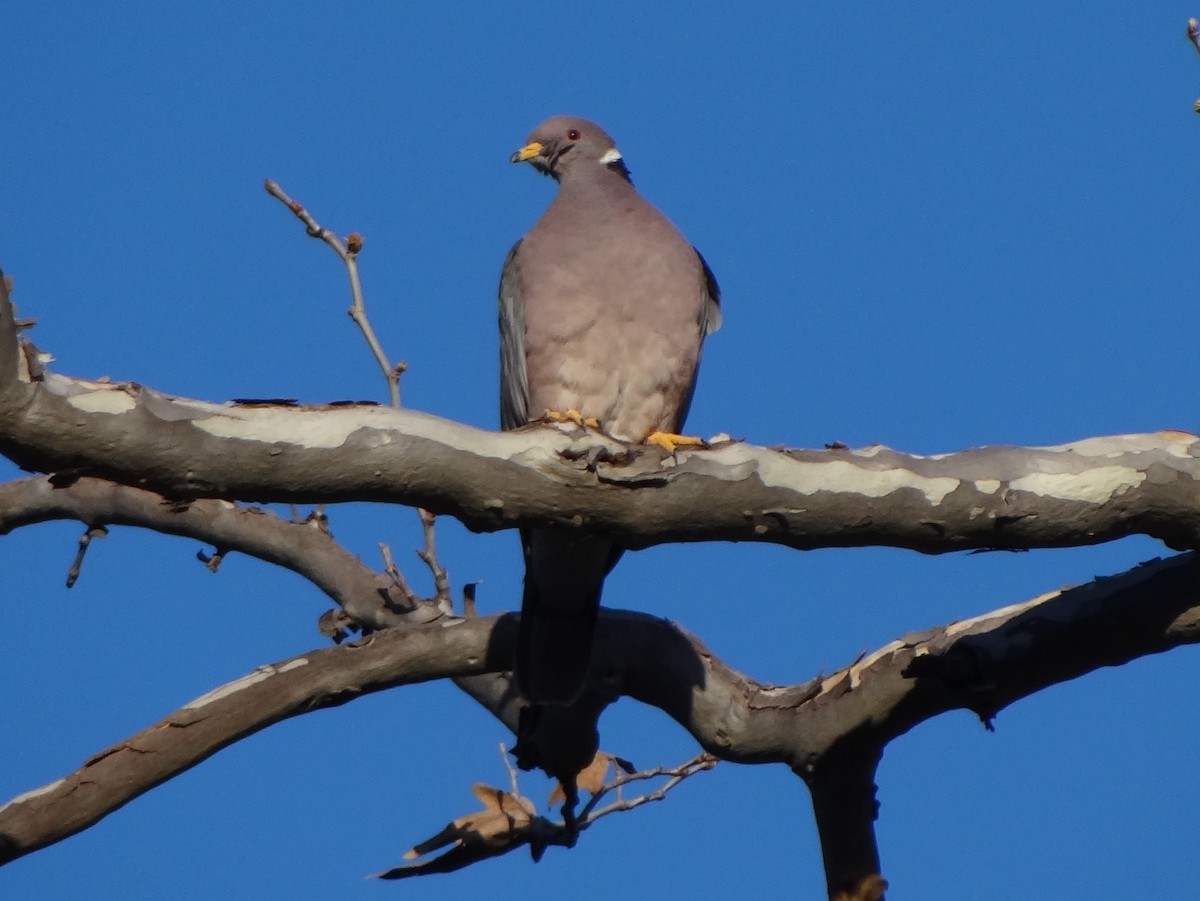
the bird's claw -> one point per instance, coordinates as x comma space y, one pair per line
588, 422
669, 442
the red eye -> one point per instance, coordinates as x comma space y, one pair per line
573, 134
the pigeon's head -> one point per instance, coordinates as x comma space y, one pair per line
565, 145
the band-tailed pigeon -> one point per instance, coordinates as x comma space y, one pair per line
603, 308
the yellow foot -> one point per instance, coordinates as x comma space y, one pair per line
571, 416
669, 442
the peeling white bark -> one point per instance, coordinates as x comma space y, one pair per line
33, 794
230, 688
775, 470
1095, 486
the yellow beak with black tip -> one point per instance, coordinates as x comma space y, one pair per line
526, 153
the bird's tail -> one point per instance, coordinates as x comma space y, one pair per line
564, 575
554, 647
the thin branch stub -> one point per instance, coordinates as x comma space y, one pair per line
85, 541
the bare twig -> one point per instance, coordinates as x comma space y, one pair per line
512, 773
428, 555
347, 252
84, 541
589, 814
441, 584
397, 577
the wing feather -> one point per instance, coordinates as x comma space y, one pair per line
514, 381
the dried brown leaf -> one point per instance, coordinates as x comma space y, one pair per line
506, 822
591, 778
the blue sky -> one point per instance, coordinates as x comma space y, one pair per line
972, 224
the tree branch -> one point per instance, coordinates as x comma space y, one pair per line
322, 678
823, 729
999, 497
372, 600
369, 598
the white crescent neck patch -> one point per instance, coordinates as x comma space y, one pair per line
610, 156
